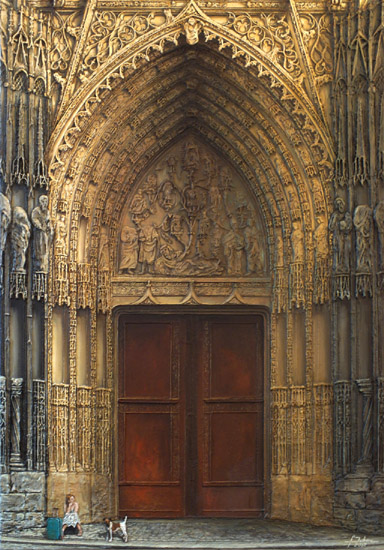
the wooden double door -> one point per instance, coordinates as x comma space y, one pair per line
190, 415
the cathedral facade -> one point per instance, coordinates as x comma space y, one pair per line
192, 259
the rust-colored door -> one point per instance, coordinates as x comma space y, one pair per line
190, 416
230, 416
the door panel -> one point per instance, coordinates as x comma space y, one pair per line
191, 415
151, 417
230, 416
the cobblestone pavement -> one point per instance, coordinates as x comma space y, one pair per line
218, 534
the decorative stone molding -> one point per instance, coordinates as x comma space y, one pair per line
366, 388
343, 426
103, 444
59, 425
84, 428
15, 461
40, 425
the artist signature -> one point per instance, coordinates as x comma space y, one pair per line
359, 542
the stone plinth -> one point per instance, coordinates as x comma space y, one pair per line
22, 503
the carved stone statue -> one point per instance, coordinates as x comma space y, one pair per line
103, 252
253, 248
20, 233
148, 239
340, 224
192, 28
279, 254
5, 220
379, 219
234, 245
362, 220
320, 237
61, 236
297, 243
129, 250
43, 233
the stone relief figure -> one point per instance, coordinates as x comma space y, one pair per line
340, 224
129, 250
320, 237
297, 243
362, 218
61, 236
139, 207
279, 254
43, 233
5, 220
192, 28
148, 239
379, 219
253, 249
321, 279
234, 245
151, 188
168, 196
20, 233
103, 251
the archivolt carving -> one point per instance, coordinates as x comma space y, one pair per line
169, 31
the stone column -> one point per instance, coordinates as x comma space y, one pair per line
16, 462
3, 423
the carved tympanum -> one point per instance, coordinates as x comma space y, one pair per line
191, 215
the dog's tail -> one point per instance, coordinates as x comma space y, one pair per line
125, 519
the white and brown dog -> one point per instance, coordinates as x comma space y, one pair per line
116, 527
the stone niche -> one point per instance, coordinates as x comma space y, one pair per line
191, 217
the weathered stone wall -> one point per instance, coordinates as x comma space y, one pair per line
22, 501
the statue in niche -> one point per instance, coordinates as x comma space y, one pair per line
20, 233
379, 219
320, 237
103, 264
129, 250
234, 245
279, 250
43, 233
253, 250
340, 224
362, 222
5, 220
148, 240
192, 29
297, 243
61, 236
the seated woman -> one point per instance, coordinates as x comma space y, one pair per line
71, 517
